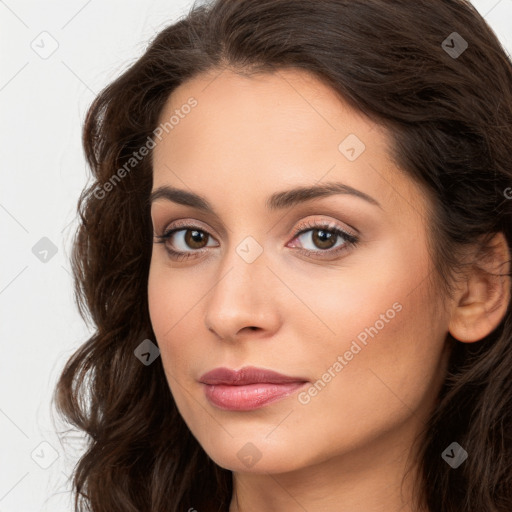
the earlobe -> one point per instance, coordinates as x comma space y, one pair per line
482, 303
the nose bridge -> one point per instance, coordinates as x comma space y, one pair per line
244, 262
240, 296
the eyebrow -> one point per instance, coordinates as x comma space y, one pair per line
277, 201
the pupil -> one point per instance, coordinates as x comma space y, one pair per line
194, 237
326, 239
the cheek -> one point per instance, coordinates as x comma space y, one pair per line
383, 364
171, 311
385, 328
171, 298
159, 297
170, 315
389, 381
371, 300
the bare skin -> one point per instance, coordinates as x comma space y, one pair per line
345, 447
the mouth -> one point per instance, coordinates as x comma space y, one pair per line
248, 388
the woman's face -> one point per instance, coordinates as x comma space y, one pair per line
352, 319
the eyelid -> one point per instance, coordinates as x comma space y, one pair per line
191, 224
351, 238
310, 223
317, 223
160, 218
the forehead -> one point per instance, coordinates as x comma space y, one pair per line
284, 104
269, 131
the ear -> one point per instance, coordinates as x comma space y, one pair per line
483, 297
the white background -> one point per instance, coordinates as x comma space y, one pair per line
42, 104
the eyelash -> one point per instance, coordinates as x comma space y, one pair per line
351, 240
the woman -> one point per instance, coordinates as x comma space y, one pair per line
296, 256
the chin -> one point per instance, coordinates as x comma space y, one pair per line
257, 456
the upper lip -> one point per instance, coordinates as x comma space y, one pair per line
246, 375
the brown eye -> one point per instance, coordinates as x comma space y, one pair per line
323, 239
185, 241
195, 238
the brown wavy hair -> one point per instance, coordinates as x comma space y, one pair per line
451, 125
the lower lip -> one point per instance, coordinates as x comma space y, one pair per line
250, 396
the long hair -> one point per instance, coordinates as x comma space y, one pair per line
448, 109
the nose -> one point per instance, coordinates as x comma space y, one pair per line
243, 300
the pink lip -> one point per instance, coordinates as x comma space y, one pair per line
248, 388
